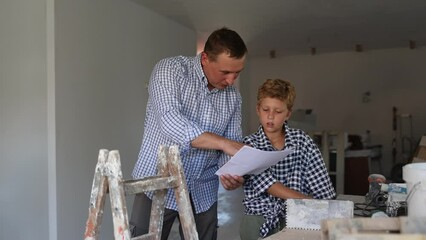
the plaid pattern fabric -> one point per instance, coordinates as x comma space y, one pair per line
180, 108
303, 170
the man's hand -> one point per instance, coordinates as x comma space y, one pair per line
209, 140
231, 147
231, 182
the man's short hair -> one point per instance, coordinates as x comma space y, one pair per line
225, 40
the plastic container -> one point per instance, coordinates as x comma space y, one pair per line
414, 175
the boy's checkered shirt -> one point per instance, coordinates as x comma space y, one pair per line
303, 170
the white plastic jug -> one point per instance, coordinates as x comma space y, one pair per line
414, 175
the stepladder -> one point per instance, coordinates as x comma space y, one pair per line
108, 180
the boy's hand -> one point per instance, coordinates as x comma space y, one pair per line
231, 182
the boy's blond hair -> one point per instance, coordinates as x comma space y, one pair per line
277, 88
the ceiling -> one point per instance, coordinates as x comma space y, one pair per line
290, 27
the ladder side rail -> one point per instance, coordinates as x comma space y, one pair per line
159, 197
186, 215
117, 196
97, 198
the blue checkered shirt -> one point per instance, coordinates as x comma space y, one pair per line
303, 170
179, 109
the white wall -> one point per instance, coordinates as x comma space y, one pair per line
332, 85
91, 75
23, 115
105, 52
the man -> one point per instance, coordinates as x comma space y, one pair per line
193, 104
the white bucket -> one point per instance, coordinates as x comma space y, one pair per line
414, 175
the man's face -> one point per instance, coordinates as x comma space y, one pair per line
223, 71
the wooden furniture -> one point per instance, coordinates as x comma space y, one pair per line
108, 178
395, 228
357, 170
359, 228
399, 228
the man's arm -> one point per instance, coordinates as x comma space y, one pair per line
209, 140
212, 141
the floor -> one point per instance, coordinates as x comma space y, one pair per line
230, 210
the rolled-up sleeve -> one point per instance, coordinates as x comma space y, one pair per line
262, 182
318, 181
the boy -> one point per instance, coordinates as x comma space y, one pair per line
302, 174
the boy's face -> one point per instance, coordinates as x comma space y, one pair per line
272, 114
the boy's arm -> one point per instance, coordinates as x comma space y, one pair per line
279, 190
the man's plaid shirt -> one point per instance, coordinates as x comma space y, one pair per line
180, 108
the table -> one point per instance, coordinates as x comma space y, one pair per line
295, 234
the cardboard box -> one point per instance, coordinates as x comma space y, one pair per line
420, 154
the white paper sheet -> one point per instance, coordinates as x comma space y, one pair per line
249, 160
